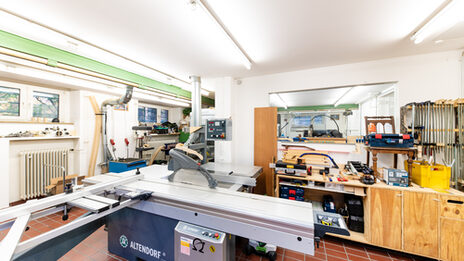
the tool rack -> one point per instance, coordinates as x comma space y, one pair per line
438, 129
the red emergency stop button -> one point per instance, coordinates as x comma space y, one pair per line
222, 135
216, 235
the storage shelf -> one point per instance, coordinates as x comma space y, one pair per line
320, 178
315, 187
41, 138
38, 122
156, 135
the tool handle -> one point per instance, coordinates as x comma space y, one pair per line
112, 142
321, 154
126, 141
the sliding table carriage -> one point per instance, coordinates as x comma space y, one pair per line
151, 196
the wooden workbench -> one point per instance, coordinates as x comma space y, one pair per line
412, 219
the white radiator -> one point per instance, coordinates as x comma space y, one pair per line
38, 168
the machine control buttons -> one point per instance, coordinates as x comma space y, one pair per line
211, 235
219, 129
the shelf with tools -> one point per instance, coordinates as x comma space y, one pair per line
438, 129
390, 211
316, 187
317, 182
388, 216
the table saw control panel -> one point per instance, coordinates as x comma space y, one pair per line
195, 243
219, 129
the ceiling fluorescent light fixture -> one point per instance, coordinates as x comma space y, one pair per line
62, 76
448, 16
54, 77
85, 77
168, 101
17, 24
157, 99
204, 92
368, 97
387, 91
338, 102
282, 101
246, 61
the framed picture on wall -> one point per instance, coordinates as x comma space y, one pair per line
122, 107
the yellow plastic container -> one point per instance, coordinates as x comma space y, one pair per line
430, 176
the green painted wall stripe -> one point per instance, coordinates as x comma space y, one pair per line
28, 46
319, 107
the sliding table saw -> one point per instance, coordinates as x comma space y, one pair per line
144, 212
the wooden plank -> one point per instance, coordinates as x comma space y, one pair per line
420, 227
57, 188
451, 239
153, 156
265, 146
385, 217
354, 236
96, 136
367, 216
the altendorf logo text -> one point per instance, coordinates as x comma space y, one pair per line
139, 247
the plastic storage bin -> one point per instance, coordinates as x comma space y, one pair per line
430, 176
292, 193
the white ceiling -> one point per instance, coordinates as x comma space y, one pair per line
278, 35
345, 95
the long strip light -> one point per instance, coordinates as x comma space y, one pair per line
246, 61
40, 31
282, 100
12, 59
338, 101
21, 59
72, 78
448, 16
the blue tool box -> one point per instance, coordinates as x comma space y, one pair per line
126, 164
390, 140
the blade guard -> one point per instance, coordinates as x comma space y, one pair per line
179, 160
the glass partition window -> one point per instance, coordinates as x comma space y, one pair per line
328, 114
9, 101
331, 123
45, 105
147, 114
164, 116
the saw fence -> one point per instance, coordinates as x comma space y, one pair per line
438, 129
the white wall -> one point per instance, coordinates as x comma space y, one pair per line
420, 78
75, 107
223, 109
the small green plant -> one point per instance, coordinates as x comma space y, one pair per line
186, 111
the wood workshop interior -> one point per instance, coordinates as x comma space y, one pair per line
208, 130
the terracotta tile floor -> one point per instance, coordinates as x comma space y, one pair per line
94, 248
